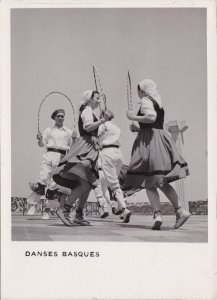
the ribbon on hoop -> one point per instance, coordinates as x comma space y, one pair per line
74, 134
99, 89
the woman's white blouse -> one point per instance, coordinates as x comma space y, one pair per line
87, 116
147, 107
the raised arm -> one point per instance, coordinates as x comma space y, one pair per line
90, 125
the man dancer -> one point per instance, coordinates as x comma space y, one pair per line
57, 140
111, 162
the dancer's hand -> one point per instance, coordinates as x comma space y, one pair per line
39, 136
40, 139
102, 96
74, 135
134, 127
130, 115
108, 115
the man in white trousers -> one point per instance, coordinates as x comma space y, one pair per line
111, 161
57, 139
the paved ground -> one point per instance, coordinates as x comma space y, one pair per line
32, 228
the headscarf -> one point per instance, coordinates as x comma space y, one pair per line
56, 112
86, 97
149, 87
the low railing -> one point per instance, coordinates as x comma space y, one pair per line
19, 205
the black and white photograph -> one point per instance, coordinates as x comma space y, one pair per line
140, 56
107, 123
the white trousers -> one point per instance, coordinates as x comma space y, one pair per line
111, 161
50, 160
102, 193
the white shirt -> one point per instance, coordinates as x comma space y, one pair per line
109, 134
147, 107
58, 138
87, 117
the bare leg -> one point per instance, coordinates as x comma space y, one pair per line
181, 214
154, 200
78, 191
79, 211
63, 210
83, 199
63, 198
171, 194
66, 204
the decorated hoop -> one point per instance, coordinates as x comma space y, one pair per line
98, 85
51, 93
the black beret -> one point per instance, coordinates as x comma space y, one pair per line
56, 112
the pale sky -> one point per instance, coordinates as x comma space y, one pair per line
55, 49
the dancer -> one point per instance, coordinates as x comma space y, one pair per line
155, 161
78, 170
111, 162
57, 140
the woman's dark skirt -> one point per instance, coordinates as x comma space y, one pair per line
79, 162
155, 160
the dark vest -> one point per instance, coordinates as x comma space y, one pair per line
159, 119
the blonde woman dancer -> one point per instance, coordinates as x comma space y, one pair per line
155, 161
